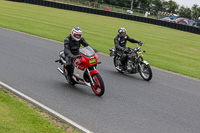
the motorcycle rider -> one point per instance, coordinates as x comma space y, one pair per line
71, 49
120, 44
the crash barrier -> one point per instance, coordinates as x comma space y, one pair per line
65, 6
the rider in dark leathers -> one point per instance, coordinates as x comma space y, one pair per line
120, 43
71, 48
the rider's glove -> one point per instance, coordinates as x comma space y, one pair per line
140, 43
126, 50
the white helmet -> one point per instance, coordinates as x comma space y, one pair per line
76, 33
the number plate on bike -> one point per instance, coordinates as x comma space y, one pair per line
93, 60
139, 53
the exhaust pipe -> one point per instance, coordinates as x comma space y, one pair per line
60, 70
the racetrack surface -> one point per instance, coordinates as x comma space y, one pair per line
169, 103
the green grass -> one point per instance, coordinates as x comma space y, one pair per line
18, 117
166, 48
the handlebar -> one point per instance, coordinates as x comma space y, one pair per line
128, 49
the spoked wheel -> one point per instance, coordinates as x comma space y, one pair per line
98, 86
67, 78
146, 72
117, 63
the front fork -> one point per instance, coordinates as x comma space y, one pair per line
142, 62
90, 73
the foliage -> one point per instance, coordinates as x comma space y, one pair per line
145, 5
195, 12
185, 12
172, 6
157, 5
121, 3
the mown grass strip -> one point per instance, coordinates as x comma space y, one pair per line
19, 116
166, 48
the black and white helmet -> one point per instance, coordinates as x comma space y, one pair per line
122, 32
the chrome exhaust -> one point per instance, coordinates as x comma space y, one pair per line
60, 70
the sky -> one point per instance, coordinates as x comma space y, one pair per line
187, 3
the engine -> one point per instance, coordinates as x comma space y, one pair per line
131, 67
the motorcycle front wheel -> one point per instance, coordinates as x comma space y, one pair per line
145, 72
98, 87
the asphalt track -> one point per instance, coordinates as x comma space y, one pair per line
169, 103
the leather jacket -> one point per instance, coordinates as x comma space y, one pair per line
71, 46
120, 42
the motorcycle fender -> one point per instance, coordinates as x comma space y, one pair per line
93, 72
145, 62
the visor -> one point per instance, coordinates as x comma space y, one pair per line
78, 35
123, 34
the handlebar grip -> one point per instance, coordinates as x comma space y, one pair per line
140, 43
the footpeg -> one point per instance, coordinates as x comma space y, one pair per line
59, 61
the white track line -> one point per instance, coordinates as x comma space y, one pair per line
54, 113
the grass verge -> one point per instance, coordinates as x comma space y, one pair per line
20, 116
167, 48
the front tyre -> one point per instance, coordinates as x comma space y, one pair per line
145, 72
98, 87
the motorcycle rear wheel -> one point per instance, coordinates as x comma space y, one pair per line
98, 87
146, 72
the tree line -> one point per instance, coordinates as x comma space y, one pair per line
155, 6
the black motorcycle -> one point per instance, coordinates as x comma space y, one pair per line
134, 62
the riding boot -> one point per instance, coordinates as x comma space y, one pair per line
122, 66
69, 72
123, 61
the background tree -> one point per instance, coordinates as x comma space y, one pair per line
185, 12
136, 4
145, 4
123, 3
195, 12
170, 6
157, 5
165, 6
96, 2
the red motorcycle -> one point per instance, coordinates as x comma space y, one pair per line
85, 70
